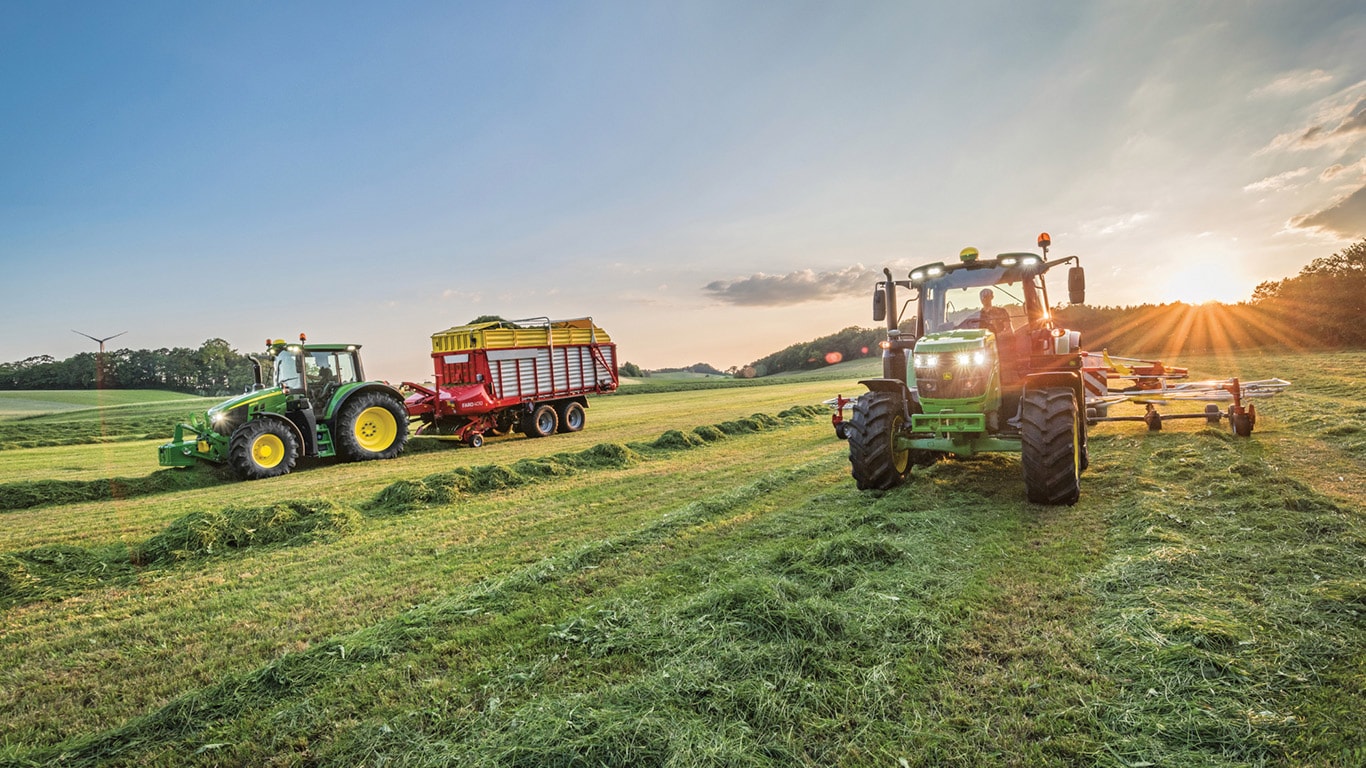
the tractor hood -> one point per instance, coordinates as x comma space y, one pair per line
959, 340
244, 399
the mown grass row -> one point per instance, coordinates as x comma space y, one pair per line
1232, 611
56, 571
285, 681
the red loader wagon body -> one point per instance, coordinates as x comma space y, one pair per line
530, 376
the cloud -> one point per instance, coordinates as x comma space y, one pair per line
1337, 124
761, 290
1345, 217
1115, 224
1294, 82
1279, 181
1334, 171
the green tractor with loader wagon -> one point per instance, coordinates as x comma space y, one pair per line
308, 400
532, 376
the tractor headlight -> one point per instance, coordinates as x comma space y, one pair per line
962, 358
220, 417
926, 361
979, 357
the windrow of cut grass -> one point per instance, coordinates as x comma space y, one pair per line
28, 494
59, 571
52, 572
1230, 607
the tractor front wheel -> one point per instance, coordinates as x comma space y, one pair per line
262, 448
371, 425
877, 462
1052, 440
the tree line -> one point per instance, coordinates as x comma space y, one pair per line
215, 368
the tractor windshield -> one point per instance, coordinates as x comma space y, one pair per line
287, 369
1001, 299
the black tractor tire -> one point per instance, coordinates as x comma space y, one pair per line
1051, 433
262, 448
876, 463
572, 417
541, 422
371, 425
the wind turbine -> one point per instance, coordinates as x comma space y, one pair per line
99, 363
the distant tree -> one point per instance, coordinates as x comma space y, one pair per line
632, 370
1325, 302
849, 344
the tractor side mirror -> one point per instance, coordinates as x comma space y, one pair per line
1076, 285
879, 305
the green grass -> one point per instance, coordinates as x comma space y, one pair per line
27, 403
712, 590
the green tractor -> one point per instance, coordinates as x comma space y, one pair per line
315, 403
980, 367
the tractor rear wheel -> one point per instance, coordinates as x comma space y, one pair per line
542, 422
873, 428
572, 417
371, 425
1052, 445
262, 448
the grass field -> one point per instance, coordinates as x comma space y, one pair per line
694, 581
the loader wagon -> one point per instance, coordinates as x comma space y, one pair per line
531, 376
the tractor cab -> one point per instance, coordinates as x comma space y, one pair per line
315, 371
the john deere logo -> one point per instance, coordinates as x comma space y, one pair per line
948, 376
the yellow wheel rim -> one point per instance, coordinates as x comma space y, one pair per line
901, 459
376, 429
267, 451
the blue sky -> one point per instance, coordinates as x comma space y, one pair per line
711, 181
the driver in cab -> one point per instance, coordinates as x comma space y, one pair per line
991, 317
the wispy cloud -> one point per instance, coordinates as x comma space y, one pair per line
1345, 217
1336, 170
1339, 121
1294, 82
1279, 181
761, 290
1115, 224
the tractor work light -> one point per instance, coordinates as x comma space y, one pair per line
935, 270
1009, 261
1030, 261
918, 275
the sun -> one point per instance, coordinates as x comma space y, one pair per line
1201, 279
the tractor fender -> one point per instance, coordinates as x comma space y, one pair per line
909, 398
351, 390
1071, 379
298, 434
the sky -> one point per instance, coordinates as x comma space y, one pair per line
711, 181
